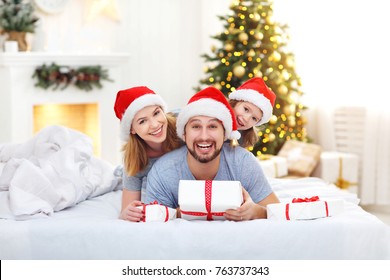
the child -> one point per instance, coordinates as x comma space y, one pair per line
149, 133
252, 103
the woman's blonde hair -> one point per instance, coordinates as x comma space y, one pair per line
249, 136
135, 158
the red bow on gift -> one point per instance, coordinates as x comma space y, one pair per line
311, 199
154, 203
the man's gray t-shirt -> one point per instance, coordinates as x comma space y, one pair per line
236, 164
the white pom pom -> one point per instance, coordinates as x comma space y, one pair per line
235, 135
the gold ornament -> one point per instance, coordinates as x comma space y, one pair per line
239, 71
218, 86
243, 37
289, 61
282, 89
259, 74
271, 137
275, 56
229, 47
259, 36
251, 53
286, 110
273, 119
256, 17
234, 3
289, 109
291, 121
269, 20
285, 75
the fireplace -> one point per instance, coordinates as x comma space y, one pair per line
25, 109
81, 117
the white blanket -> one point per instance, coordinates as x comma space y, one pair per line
53, 170
92, 230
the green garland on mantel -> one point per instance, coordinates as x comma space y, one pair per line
57, 76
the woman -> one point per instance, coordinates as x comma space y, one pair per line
149, 133
252, 103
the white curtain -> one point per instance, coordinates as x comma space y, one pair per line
375, 185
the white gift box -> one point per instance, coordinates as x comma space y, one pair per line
208, 200
340, 169
304, 210
157, 213
274, 166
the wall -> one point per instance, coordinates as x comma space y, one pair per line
341, 50
164, 39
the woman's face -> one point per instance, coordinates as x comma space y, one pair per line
150, 123
247, 115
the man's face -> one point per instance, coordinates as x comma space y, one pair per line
204, 137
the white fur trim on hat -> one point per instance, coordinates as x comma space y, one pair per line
205, 107
257, 99
138, 104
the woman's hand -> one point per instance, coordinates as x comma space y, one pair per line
132, 213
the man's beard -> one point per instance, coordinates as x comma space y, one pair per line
204, 159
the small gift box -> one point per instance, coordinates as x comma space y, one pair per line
155, 212
273, 166
340, 169
301, 157
208, 200
305, 209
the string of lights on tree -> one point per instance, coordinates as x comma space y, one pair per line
254, 45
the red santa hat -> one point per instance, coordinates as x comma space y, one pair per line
257, 92
129, 101
209, 102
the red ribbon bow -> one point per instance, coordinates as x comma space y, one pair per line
300, 200
208, 192
306, 199
154, 203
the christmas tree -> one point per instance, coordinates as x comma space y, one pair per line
253, 45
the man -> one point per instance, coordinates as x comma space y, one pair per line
204, 124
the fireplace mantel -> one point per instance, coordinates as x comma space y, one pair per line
18, 95
38, 58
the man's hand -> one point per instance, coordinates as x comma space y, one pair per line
247, 211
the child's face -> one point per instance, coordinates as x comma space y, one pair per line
247, 114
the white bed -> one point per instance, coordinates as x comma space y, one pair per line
85, 225
91, 230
